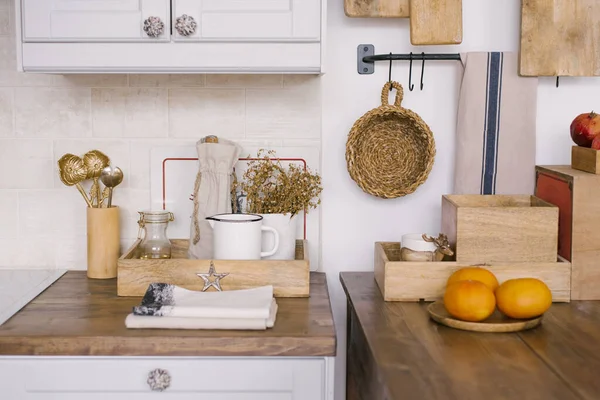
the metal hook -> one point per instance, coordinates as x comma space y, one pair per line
410, 85
390, 72
422, 69
557, 81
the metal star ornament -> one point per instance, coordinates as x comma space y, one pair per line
212, 273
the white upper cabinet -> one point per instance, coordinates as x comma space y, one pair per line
95, 20
239, 20
187, 36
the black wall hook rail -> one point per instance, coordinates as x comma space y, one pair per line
415, 57
366, 58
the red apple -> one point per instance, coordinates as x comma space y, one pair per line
585, 128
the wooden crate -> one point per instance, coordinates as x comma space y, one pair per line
426, 281
576, 194
290, 278
585, 159
490, 228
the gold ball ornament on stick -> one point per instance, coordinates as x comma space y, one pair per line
95, 161
72, 172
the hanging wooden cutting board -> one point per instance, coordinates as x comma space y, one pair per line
435, 22
376, 8
560, 38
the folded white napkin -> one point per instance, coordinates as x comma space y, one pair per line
168, 306
147, 322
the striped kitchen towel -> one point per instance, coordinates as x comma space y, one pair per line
495, 136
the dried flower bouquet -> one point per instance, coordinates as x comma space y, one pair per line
271, 188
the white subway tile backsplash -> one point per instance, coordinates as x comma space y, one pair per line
186, 80
167, 80
130, 202
31, 253
9, 218
8, 55
130, 112
13, 78
9, 251
140, 159
91, 80
7, 107
245, 81
5, 20
195, 113
71, 253
310, 83
290, 113
52, 112
51, 214
116, 150
314, 143
259, 142
9, 76
26, 164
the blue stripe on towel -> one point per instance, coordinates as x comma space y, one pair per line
485, 122
492, 123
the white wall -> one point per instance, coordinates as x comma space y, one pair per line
352, 220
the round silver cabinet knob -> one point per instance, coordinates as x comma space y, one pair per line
159, 380
154, 27
185, 25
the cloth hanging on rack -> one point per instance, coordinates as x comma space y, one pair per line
212, 192
496, 127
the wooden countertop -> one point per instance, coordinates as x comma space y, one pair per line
80, 317
395, 351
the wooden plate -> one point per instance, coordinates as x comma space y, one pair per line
497, 322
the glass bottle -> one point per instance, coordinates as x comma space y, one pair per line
155, 243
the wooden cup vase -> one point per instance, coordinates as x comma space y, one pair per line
103, 242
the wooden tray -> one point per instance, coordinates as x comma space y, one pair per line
290, 278
497, 322
415, 281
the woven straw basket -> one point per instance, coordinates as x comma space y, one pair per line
390, 150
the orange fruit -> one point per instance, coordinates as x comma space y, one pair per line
474, 274
523, 298
469, 300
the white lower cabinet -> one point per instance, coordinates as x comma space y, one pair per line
124, 378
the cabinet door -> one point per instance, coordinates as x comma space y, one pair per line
191, 378
255, 20
558, 192
92, 20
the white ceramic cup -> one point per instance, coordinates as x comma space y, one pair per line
288, 233
415, 242
238, 237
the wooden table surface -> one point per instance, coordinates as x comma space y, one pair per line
395, 351
81, 316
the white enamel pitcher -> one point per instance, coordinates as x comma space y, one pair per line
239, 237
